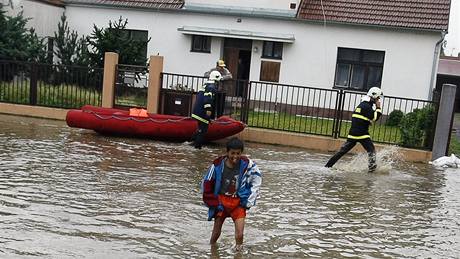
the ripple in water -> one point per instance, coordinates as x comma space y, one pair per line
387, 158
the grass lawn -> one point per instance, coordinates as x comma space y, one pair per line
318, 126
454, 147
62, 96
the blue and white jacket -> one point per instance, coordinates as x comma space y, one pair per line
247, 186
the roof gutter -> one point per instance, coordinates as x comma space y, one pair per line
434, 69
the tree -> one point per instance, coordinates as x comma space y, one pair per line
66, 43
82, 55
17, 42
117, 39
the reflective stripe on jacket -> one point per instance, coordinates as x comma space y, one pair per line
204, 101
361, 119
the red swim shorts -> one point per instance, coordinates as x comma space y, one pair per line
232, 207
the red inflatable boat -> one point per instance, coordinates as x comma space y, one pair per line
155, 126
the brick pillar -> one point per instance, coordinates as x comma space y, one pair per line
153, 94
108, 86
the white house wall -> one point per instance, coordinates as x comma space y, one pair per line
44, 18
309, 61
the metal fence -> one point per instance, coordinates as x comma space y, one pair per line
231, 98
180, 82
301, 109
317, 111
292, 108
50, 85
404, 121
389, 129
131, 85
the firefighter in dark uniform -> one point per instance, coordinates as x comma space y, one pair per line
203, 109
361, 119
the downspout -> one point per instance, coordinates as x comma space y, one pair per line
434, 68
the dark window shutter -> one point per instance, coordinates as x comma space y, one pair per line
270, 71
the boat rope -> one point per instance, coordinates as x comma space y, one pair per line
127, 118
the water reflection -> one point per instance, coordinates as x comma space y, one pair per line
73, 193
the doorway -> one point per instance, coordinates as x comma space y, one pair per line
237, 56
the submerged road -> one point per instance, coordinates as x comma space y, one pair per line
70, 193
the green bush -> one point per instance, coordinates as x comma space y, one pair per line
454, 147
417, 127
411, 136
395, 118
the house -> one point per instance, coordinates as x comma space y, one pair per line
338, 44
449, 73
44, 15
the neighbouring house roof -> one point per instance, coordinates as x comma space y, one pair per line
146, 4
449, 67
59, 3
413, 14
240, 34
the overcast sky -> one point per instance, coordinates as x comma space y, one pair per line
453, 37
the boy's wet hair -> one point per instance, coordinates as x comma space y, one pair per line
235, 143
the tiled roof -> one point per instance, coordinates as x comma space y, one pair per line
52, 2
416, 14
150, 4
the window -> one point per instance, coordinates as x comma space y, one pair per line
270, 71
359, 69
272, 50
201, 44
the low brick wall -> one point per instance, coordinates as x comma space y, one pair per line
33, 111
319, 143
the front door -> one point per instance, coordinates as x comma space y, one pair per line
237, 57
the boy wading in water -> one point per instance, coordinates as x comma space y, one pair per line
230, 187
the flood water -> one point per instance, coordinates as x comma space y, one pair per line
71, 193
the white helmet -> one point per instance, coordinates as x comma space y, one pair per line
214, 76
375, 92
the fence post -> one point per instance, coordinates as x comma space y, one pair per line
33, 84
108, 85
335, 122
153, 93
443, 123
338, 114
246, 99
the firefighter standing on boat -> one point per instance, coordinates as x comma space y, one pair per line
203, 109
361, 119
